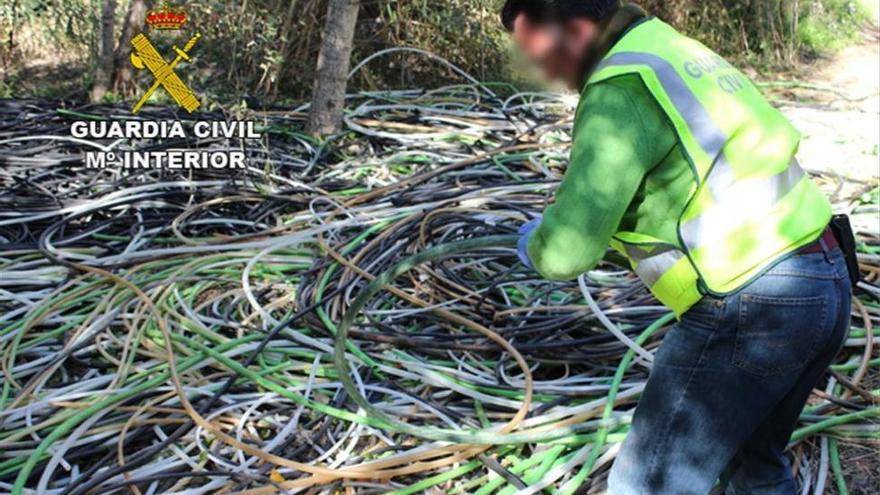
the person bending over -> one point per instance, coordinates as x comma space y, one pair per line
680, 165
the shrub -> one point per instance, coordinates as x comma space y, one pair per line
266, 49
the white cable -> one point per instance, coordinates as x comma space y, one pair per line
646, 356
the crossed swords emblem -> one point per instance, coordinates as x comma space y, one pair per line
146, 56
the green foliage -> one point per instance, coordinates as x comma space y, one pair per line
831, 24
68, 24
266, 49
466, 32
6, 90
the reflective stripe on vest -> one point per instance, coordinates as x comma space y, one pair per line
707, 134
730, 209
750, 203
651, 266
664, 269
728, 192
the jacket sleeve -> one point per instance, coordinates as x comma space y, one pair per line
612, 150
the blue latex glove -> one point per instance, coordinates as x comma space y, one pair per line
525, 231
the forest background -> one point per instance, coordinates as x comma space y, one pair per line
263, 53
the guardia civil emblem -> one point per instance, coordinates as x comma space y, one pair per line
145, 56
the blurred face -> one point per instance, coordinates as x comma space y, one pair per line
558, 49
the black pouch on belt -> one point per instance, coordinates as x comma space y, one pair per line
843, 233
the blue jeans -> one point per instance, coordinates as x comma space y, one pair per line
730, 381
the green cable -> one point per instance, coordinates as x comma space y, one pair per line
835, 421
835, 467
476, 437
517, 469
602, 434
41, 450
549, 459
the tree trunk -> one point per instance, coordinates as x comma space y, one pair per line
104, 68
134, 19
10, 42
328, 92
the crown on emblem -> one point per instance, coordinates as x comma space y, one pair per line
166, 17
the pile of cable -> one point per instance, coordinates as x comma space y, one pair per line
344, 316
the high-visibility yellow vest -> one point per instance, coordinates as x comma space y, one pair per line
750, 204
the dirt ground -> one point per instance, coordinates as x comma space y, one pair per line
859, 459
836, 105
861, 469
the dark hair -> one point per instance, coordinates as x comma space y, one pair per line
556, 10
